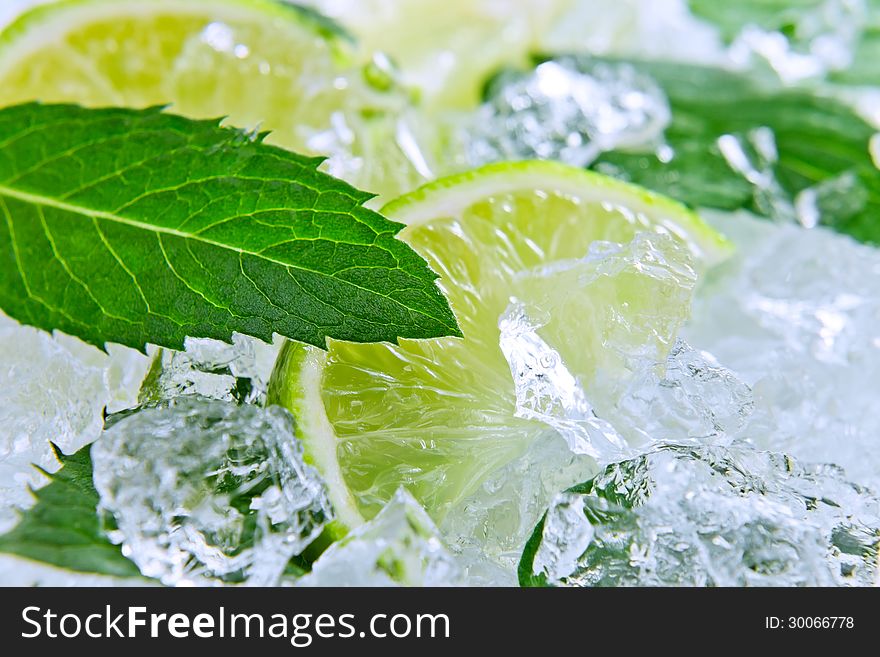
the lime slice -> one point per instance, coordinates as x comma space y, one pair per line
263, 64
448, 51
439, 416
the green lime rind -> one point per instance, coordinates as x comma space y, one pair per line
449, 194
29, 28
295, 384
525, 570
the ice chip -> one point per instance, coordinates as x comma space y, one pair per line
569, 109
487, 539
795, 315
832, 201
53, 388
399, 547
710, 516
567, 533
203, 491
237, 372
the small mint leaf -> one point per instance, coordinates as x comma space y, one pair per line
62, 528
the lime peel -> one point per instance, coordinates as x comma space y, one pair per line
303, 399
448, 195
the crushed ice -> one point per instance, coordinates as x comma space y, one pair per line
53, 388
711, 516
795, 314
782, 325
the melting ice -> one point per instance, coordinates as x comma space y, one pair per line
203, 491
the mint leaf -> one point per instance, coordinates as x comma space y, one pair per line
525, 571
137, 226
63, 528
818, 139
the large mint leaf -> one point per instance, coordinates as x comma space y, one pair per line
818, 140
63, 528
140, 226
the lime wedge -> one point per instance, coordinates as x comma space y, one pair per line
263, 64
439, 416
447, 51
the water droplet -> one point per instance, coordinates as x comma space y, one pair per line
218, 36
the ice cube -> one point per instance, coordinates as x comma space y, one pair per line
567, 109
710, 517
238, 371
53, 389
399, 547
204, 491
796, 315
